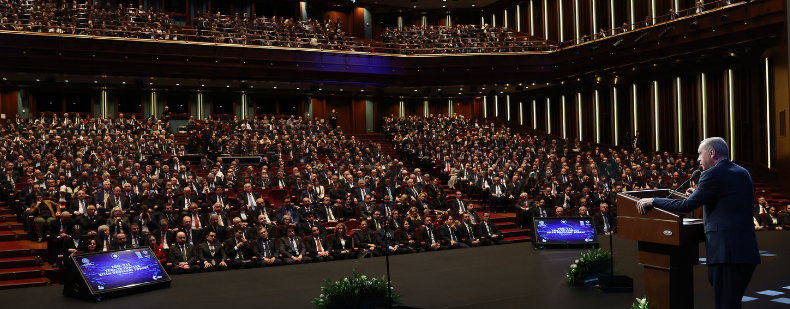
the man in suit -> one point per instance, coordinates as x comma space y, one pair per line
59, 231
467, 230
288, 209
193, 236
726, 194
135, 238
489, 230
198, 219
186, 200
450, 236
164, 236
457, 205
604, 221
306, 227
224, 220
183, 257
91, 220
222, 198
220, 232
499, 195
326, 212
120, 242
238, 250
145, 220
362, 191
250, 197
292, 248
266, 250
366, 208
80, 204
117, 200
171, 216
430, 237
316, 246
386, 207
435, 191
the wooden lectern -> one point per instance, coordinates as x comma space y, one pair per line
668, 247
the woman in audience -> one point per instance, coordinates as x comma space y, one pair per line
246, 215
407, 237
348, 210
402, 204
414, 218
772, 220
342, 246
282, 230
160, 253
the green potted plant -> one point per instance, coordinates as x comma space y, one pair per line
641, 304
591, 265
356, 292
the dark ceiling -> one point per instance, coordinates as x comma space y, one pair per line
430, 4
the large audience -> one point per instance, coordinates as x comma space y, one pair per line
87, 184
140, 23
457, 39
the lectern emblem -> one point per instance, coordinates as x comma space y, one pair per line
668, 232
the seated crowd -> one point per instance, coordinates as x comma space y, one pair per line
457, 39
137, 22
315, 195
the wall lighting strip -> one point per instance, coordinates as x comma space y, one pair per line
546, 19
680, 115
518, 18
531, 19
535, 114
636, 121
485, 108
521, 113
508, 107
616, 124
548, 115
655, 112
597, 119
564, 119
731, 104
768, 109
704, 107
579, 115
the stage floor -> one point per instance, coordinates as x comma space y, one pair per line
506, 276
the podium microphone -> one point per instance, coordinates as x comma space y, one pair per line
694, 175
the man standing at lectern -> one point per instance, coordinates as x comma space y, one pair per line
725, 191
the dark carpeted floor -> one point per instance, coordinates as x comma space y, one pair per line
507, 276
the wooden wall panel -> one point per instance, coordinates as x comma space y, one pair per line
344, 109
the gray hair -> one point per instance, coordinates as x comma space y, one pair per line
716, 143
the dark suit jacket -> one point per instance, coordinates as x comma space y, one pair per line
769, 223
463, 232
204, 253
311, 248
487, 232
360, 193
287, 251
323, 215
363, 238
445, 234
243, 197
169, 237
222, 233
217, 197
599, 222
75, 204
181, 202
91, 224
337, 246
231, 250
306, 230
175, 256
54, 228
727, 195
536, 212
125, 204
271, 246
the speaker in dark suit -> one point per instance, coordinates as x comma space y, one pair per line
726, 193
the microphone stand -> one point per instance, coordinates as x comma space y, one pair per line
387, 239
612, 283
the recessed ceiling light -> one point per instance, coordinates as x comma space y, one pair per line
341, 89
38, 80
228, 86
252, 86
473, 5
66, 80
444, 6
462, 89
178, 84
415, 90
459, 93
95, 82
123, 83
297, 88
320, 89
150, 83
202, 85
484, 88
275, 87
363, 90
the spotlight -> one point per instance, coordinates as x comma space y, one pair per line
724, 17
666, 31
616, 44
642, 37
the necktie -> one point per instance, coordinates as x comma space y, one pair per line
318, 245
488, 231
183, 254
239, 253
430, 232
189, 236
452, 235
471, 234
117, 201
211, 248
106, 198
82, 206
252, 201
106, 244
605, 223
197, 222
329, 213
134, 241
293, 246
163, 242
